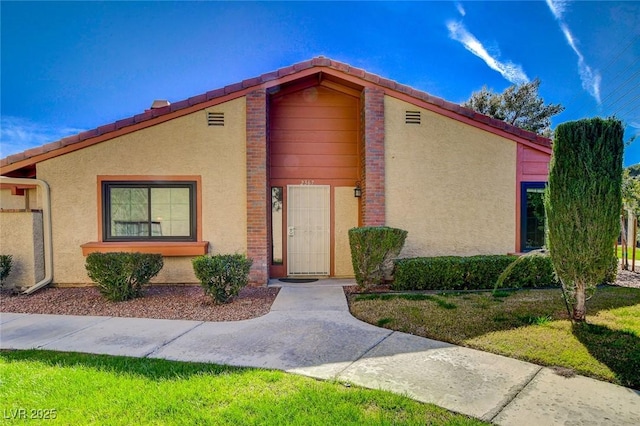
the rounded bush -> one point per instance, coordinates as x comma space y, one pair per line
120, 276
6, 262
373, 250
223, 275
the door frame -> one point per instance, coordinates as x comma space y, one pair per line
280, 270
328, 249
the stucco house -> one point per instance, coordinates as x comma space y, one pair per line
278, 167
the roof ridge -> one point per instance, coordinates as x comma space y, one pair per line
318, 61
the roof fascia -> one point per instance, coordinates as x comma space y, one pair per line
269, 82
467, 120
195, 103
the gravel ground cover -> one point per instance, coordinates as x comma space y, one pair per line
186, 302
628, 278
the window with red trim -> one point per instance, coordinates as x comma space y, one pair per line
149, 210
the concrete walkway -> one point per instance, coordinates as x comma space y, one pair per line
310, 331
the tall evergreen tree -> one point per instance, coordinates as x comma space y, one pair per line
520, 105
582, 204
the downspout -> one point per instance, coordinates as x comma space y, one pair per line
46, 224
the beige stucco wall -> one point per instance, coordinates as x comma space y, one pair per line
450, 185
182, 146
346, 217
21, 236
19, 202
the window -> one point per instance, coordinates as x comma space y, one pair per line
276, 225
532, 216
149, 211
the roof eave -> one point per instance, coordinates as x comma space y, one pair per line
268, 81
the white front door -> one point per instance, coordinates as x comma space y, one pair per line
308, 229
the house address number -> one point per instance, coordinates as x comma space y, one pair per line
306, 182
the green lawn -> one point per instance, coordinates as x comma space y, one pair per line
629, 253
531, 325
96, 389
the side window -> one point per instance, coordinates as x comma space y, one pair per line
149, 211
532, 220
276, 225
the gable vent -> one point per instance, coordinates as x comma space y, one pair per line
215, 118
412, 117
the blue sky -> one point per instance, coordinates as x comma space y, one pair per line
72, 66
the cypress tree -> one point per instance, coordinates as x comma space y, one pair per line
582, 205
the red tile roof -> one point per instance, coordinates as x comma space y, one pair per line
102, 133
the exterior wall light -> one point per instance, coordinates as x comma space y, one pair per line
357, 191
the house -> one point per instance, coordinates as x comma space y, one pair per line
278, 167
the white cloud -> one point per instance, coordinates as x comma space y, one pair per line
510, 71
19, 134
460, 9
558, 7
590, 78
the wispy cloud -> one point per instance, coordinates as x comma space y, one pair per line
510, 71
558, 7
589, 77
19, 134
460, 9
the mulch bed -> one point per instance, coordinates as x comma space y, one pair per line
183, 302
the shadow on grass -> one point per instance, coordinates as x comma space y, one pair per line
619, 350
456, 317
150, 368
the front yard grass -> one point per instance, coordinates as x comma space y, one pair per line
629, 253
530, 325
97, 389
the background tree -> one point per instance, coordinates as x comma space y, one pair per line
520, 105
582, 204
633, 170
631, 206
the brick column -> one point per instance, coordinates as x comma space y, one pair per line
257, 240
373, 208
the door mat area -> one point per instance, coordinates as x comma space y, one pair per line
298, 280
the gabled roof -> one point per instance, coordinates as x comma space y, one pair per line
23, 163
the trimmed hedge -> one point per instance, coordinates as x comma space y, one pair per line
449, 272
120, 275
223, 275
532, 270
373, 250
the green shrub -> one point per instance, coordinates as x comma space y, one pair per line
222, 276
532, 270
373, 249
6, 262
449, 272
120, 276
482, 271
429, 273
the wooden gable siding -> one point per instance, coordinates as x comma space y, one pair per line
314, 135
535, 164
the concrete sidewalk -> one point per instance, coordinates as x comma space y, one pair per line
310, 331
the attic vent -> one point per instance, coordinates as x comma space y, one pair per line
412, 117
215, 118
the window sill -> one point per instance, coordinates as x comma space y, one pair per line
165, 248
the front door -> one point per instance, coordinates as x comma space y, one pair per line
308, 229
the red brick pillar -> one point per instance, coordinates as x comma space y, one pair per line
373, 211
257, 240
